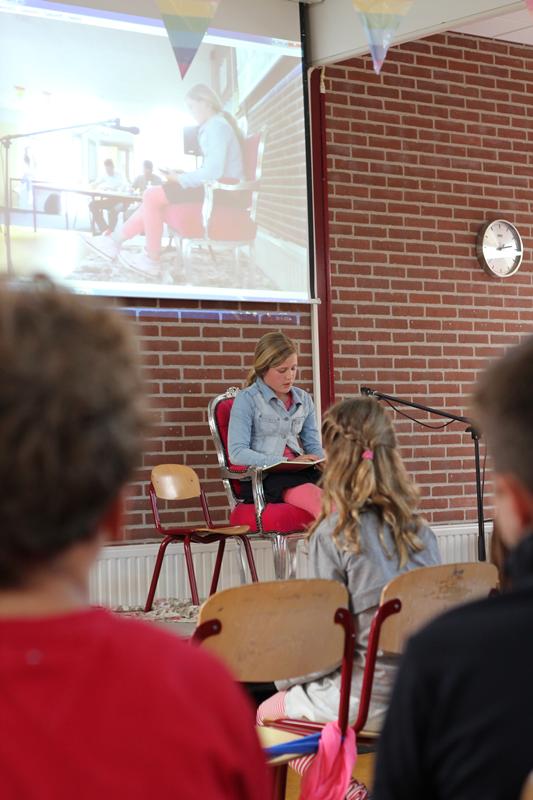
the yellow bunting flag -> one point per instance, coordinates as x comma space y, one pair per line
186, 22
380, 20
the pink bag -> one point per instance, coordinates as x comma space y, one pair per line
330, 773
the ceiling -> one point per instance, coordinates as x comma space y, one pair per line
516, 26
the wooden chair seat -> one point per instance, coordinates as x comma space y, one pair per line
271, 736
229, 530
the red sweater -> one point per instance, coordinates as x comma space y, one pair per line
94, 707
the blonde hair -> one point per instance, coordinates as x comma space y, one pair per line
271, 350
363, 469
202, 93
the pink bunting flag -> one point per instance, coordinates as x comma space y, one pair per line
186, 22
381, 19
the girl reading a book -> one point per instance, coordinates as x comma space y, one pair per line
368, 532
274, 421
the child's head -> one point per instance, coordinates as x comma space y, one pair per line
503, 407
364, 468
273, 351
70, 423
203, 102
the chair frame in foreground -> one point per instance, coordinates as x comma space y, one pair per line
421, 595
294, 612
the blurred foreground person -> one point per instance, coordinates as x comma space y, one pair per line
460, 723
91, 705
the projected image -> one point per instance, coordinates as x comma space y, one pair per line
137, 182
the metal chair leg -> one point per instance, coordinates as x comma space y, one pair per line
190, 571
279, 783
241, 561
292, 546
279, 547
218, 564
244, 540
157, 569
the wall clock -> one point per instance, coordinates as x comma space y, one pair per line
499, 248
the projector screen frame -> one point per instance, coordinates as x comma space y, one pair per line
131, 288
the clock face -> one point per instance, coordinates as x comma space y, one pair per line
500, 249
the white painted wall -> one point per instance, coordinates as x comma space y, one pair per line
336, 32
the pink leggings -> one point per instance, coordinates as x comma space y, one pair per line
307, 496
274, 708
149, 219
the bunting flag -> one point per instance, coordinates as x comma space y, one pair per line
380, 20
186, 22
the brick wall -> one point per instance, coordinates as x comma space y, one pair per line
282, 202
419, 159
191, 352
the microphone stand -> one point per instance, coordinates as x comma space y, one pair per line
5, 141
481, 551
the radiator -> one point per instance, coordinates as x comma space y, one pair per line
122, 573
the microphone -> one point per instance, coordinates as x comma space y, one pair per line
115, 124
368, 392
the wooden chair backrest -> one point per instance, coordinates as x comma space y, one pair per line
175, 482
429, 591
279, 629
527, 791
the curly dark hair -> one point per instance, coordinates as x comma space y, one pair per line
71, 420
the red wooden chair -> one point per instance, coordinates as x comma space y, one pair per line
291, 616
281, 523
294, 619
217, 223
407, 603
175, 482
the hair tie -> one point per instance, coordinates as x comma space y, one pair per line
367, 455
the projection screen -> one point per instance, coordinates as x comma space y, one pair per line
87, 197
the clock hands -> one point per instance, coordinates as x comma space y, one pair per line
495, 251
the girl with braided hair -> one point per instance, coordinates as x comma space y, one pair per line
368, 532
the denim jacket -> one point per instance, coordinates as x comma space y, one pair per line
260, 426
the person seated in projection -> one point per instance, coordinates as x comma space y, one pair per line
271, 420
460, 722
368, 532
221, 144
146, 178
113, 182
140, 184
93, 705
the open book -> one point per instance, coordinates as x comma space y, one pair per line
292, 466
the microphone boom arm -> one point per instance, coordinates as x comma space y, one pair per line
10, 137
400, 401
366, 390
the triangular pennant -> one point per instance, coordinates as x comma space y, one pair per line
186, 22
381, 19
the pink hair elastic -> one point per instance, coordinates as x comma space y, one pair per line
368, 455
